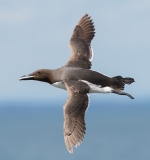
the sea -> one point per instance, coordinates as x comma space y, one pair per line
115, 130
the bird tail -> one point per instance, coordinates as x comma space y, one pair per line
126, 80
119, 83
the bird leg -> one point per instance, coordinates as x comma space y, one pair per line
122, 93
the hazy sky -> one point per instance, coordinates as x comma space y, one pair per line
34, 34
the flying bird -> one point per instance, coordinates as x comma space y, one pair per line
79, 80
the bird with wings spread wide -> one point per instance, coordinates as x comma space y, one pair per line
78, 79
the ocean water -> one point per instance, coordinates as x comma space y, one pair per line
116, 130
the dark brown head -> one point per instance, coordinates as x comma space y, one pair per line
43, 75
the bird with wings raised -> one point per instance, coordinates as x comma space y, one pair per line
79, 80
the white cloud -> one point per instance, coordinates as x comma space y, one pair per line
15, 16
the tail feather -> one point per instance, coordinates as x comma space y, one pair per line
128, 80
119, 83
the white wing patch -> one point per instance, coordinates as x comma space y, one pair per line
92, 53
97, 88
88, 103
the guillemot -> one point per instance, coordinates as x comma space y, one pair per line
79, 80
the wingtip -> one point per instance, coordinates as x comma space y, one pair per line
70, 151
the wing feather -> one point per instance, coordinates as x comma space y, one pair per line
80, 43
74, 111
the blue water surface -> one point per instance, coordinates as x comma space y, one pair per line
116, 130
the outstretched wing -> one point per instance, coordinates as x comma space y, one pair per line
74, 111
80, 43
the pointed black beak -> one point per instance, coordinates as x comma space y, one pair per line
27, 77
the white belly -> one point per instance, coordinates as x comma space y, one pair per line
93, 88
59, 85
97, 88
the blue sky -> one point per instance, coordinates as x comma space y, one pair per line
34, 34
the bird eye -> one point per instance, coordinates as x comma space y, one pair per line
39, 72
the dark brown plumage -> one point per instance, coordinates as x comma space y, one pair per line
80, 43
74, 111
77, 78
